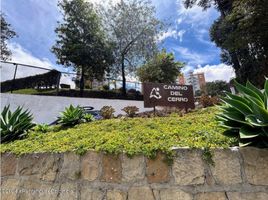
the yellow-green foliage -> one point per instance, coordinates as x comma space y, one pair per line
130, 135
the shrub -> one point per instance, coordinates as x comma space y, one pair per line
65, 86
71, 116
207, 101
107, 112
88, 117
15, 125
105, 87
245, 116
42, 128
120, 90
131, 91
130, 110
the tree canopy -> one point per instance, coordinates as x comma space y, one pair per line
6, 34
162, 68
241, 33
82, 42
216, 88
133, 28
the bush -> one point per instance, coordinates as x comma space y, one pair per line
130, 110
105, 87
88, 117
107, 112
42, 128
207, 101
131, 91
111, 94
245, 116
71, 116
65, 86
14, 125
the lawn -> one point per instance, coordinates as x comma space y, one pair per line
133, 136
34, 91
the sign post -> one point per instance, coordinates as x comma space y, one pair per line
170, 95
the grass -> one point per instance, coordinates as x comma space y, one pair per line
34, 91
131, 135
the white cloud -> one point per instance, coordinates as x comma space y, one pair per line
171, 33
21, 55
201, 35
104, 3
216, 72
179, 21
198, 19
193, 58
195, 16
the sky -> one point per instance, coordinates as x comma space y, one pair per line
187, 37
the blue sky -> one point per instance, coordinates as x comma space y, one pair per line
187, 37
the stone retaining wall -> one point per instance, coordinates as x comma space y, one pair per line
237, 174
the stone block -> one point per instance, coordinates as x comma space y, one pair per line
8, 189
32, 190
71, 166
8, 164
188, 167
247, 196
133, 169
68, 191
88, 193
116, 195
90, 166
174, 194
138, 193
255, 163
227, 169
157, 170
111, 168
44, 166
210, 196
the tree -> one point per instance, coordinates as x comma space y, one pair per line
241, 33
216, 88
82, 42
244, 41
6, 34
162, 68
133, 28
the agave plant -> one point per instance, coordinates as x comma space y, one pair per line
71, 116
43, 128
15, 125
245, 115
87, 117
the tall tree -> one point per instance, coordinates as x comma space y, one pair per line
242, 36
162, 68
133, 28
216, 88
6, 34
241, 33
82, 42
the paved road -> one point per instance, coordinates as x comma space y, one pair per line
46, 108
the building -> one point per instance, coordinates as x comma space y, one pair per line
197, 80
181, 80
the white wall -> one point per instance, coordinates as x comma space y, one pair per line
46, 108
